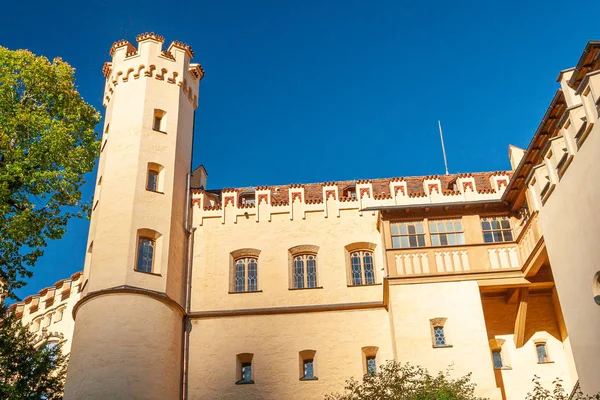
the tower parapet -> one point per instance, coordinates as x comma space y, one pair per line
149, 61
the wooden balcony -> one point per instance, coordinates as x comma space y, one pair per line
469, 258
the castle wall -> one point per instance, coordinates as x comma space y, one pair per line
276, 340
465, 330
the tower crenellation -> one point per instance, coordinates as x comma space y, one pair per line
149, 60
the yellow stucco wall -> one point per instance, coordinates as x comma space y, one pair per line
128, 346
465, 330
521, 364
275, 341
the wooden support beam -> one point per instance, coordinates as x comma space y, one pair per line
511, 296
521, 317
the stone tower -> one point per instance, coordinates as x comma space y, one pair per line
129, 323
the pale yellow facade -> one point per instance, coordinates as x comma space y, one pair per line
237, 293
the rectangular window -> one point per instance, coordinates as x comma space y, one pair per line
159, 121
496, 229
438, 332
497, 357
407, 235
446, 232
152, 181
145, 258
371, 366
305, 271
542, 353
309, 372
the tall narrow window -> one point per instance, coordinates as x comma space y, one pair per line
446, 232
371, 366
244, 367
407, 235
145, 260
440, 338
152, 180
497, 357
307, 365
363, 272
496, 229
246, 275
305, 271
438, 333
542, 353
159, 122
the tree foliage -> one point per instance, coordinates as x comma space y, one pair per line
28, 370
47, 144
557, 392
397, 381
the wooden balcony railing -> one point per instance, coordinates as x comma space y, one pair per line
478, 257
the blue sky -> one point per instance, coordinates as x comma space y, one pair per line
316, 91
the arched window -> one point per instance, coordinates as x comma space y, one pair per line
360, 264
246, 274
305, 271
303, 266
145, 259
244, 270
362, 268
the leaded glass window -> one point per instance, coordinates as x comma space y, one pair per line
145, 258
446, 232
305, 271
542, 353
371, 366
309, 372
152, 181
246, 275
362, 271
438, 333
497, 357
246, 372
407, 235
496, 229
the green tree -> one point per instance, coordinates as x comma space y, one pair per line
557, 392
396, 381
28, 370
47, 144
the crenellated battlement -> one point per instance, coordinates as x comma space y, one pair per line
149, 60
48, 297
332, 198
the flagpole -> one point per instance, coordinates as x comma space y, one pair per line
443, 148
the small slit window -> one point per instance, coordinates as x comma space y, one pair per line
244, 369
497, 357
542, 353
369, 355
438, 332
159, 123
154, 178
307, 365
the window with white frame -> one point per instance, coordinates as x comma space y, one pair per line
145, 256
362, 269
407, 234
496, 229
305, 271
447, 232
246, 274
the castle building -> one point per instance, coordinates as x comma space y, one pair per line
281, 292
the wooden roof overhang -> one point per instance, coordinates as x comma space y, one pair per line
515, 191
589, 61
410, 211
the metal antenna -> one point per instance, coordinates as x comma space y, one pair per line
443, 148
